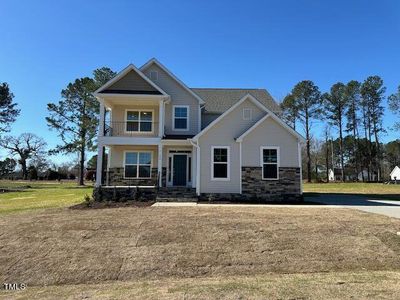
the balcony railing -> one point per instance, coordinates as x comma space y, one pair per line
131, 128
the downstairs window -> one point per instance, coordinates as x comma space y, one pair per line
137, 164
270, 163
220, 163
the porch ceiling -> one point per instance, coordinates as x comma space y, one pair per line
122, 140
112, 100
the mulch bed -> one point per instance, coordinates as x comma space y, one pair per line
111, 204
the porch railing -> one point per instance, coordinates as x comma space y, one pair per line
131, 128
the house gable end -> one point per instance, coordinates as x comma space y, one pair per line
270, 133
233, 124
248, 97
130, 81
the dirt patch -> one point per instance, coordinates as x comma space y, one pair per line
71, 246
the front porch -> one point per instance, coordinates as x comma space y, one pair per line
167, 168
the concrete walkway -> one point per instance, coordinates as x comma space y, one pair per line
360, 202
384, 207
177, 204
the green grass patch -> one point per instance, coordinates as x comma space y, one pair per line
28, 196
373, 190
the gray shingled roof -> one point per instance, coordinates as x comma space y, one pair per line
221, 99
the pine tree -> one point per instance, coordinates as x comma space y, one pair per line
394, 106
75, 116
308, 103
353, 100
8, 109
372, 91
335, 104
290, 111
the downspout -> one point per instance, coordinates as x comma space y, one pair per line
196, 145
240, 166
301, 166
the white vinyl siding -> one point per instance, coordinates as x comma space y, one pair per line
179, 96
270, 133
223, 134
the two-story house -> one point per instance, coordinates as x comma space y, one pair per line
159, 134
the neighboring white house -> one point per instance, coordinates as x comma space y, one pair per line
162, 135
335, 174
395, 174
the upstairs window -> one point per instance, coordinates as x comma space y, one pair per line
247, 114
137, 164
220, 163
139, 121
270, 163
180, 117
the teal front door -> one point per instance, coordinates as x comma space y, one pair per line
179, 170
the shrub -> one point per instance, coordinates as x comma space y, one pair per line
88, 200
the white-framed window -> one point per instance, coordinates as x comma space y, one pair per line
153, 75
247, 114
270, 163
220, 163
180, 117
137, 164
139, 121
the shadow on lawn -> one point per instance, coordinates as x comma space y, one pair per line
352, 199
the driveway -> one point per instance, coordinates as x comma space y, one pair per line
361, 202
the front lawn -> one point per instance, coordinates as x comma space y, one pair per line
201, 252
28, 195
323, 286
373, 190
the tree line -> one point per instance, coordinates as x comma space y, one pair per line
353, 115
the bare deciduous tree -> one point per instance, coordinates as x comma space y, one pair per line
26, 146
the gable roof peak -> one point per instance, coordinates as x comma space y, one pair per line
165, 69
125, 71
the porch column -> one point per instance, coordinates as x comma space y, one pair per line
194, 166
161, 119
101, 117
159, 164
99, 165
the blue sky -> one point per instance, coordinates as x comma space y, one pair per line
262, 44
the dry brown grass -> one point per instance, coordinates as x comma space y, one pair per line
67, 247
198, 252
323, 286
